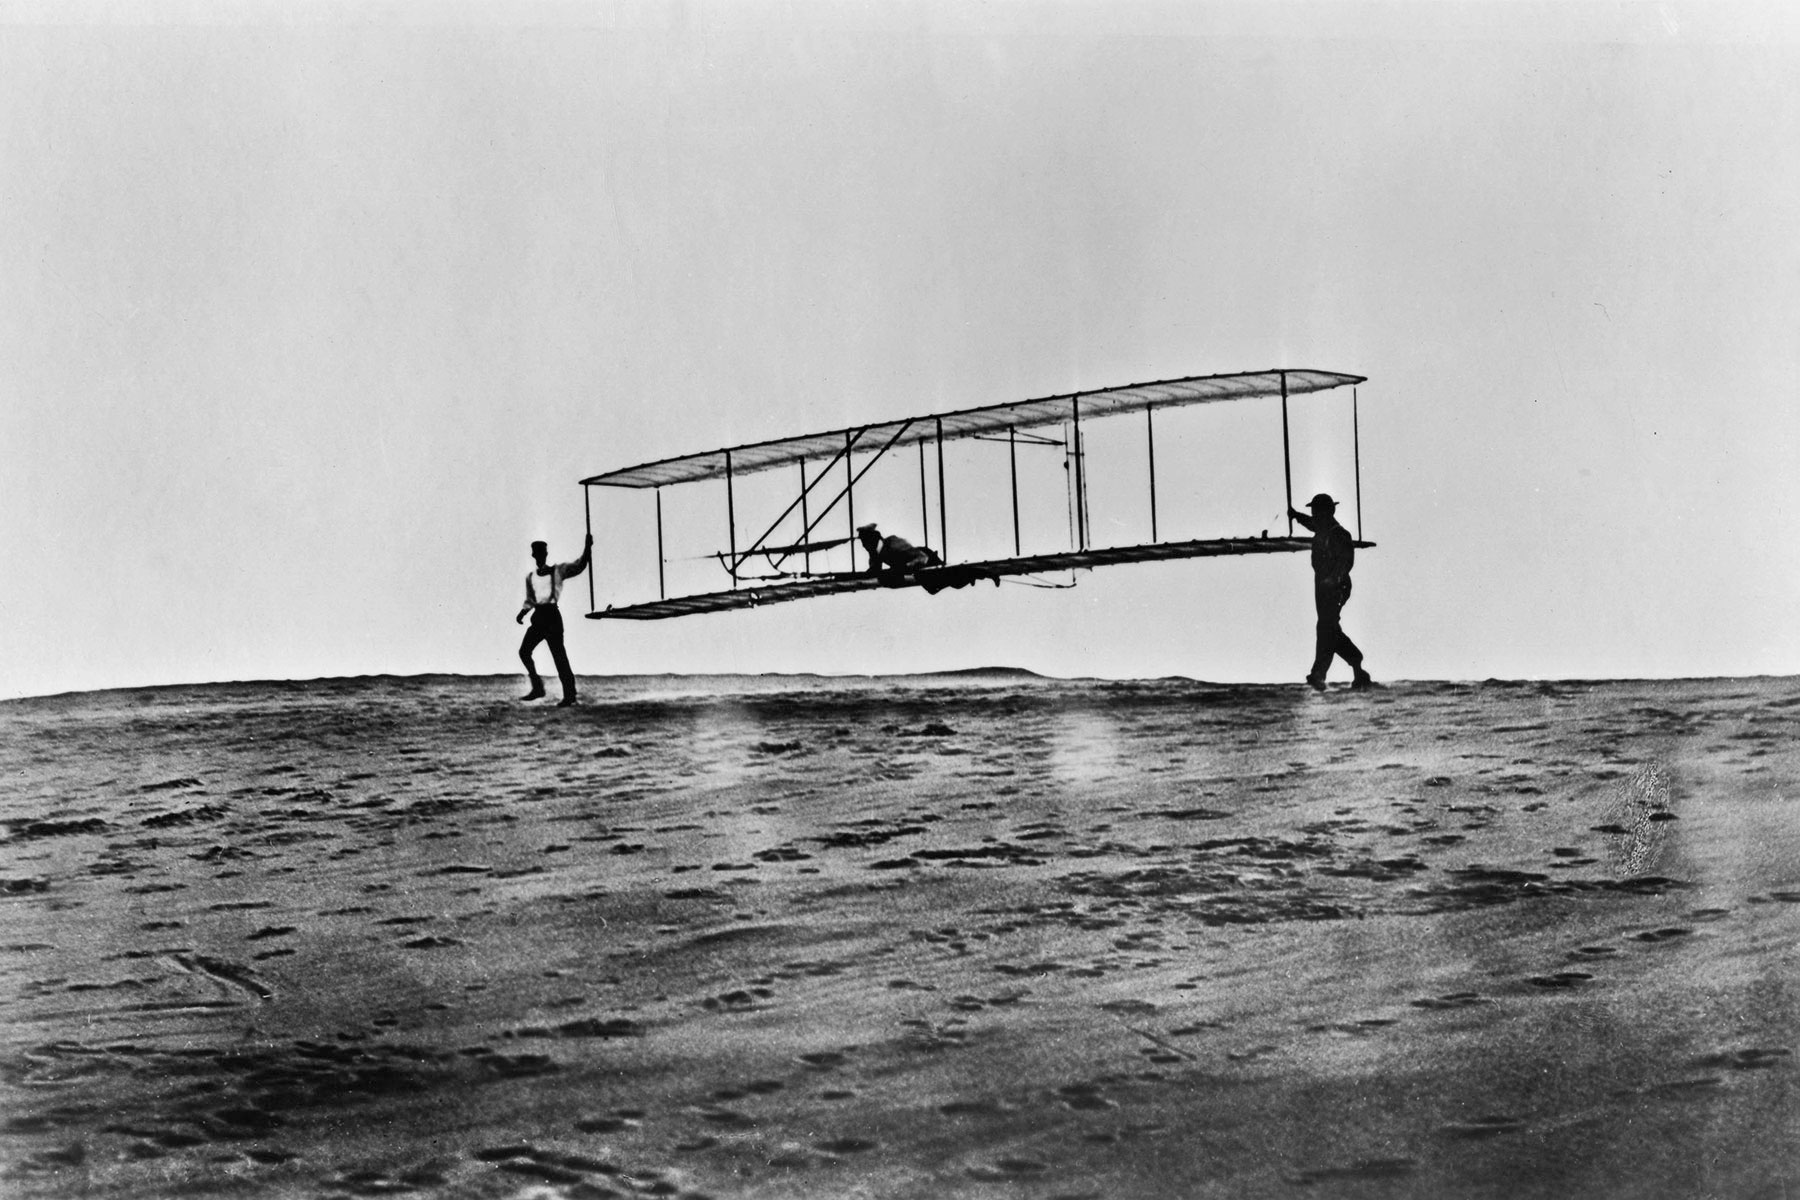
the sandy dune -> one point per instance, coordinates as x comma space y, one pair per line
977, 936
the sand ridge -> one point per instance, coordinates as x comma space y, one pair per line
970, 936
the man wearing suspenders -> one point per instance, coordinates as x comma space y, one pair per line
543, 588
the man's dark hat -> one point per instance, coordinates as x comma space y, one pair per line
540, 545
1322, 501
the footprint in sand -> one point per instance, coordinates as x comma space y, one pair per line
1450, 1000
1560, 980
1661, 935
1594, 952
1368, 1168
825, 1060
1751, 1059
546, 1165
1084, 1097
738, 1000
1681, 1089
1483, 1127
1362, 1028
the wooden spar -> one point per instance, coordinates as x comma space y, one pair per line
850, 497
943, 528
1287, 470
1012, 457
1080, 483
924, 512
1356, 450
841, 583
731, 517
800, 503
587, 514
662, 591
807, 562
854, 475
1150, 437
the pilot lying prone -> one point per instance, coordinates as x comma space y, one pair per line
897, 562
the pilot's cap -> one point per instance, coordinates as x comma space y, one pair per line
536, 546
1322, 501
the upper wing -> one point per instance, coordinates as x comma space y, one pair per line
972, 422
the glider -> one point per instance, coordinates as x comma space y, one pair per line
830, 464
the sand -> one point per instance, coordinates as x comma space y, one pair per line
983, 936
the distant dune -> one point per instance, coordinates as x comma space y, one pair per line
975, 934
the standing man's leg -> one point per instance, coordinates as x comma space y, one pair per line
1326, 643
553, 633
533, 635
1346, 649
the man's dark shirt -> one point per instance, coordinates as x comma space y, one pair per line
1333, 549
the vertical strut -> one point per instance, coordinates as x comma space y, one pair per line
662, 592
1287, 470
1150, 437
587, 513
943, 528
924, 512
731, 518
1012, 456
1080, 482
850, 498
1356, 449
804, 523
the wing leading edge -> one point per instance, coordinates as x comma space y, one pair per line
954, 576
973, 422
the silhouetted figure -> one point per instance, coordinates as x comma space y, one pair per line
543, 589
894, 554
1333, 554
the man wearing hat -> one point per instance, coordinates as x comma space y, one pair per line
543, 589
1333, 554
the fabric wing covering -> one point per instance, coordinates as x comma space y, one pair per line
972, 422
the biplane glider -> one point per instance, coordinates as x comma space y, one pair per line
789, 559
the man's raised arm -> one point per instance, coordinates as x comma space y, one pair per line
579, 565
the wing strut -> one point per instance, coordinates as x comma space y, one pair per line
1150, 437
1356, 451
1287, 469
1012, 458
943, 529
587, 516
731, 518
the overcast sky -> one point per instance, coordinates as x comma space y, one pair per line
312, 317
